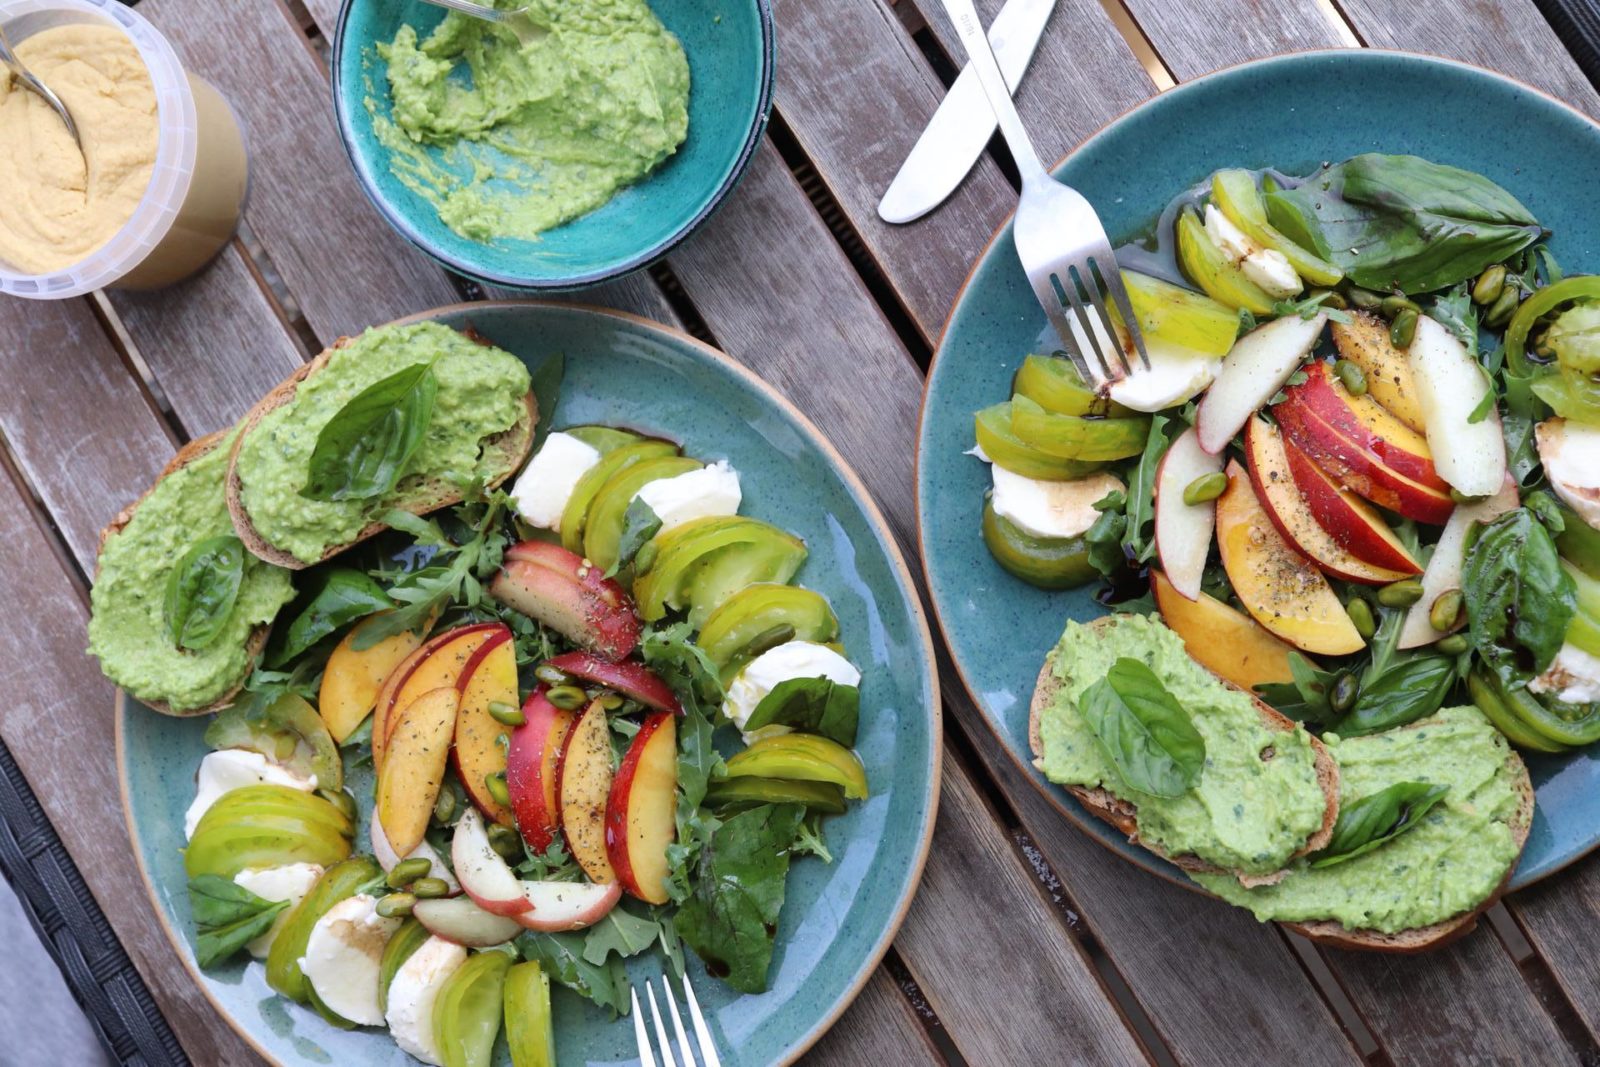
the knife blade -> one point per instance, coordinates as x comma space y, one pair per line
961, 127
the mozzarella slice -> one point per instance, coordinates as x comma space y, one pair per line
1265, 266
234, 768
412, 993
290, 882
343, 955
546, 483
1176, 375
700, 494
1573, 676
793, 659
1570, 452
1050, 509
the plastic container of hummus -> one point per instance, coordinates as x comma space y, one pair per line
190, 205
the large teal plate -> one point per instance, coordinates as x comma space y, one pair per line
839, 918
1292, 113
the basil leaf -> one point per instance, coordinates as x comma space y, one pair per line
1306, 699
363, 450
1409, 690
227, 917
1144, 732
342, 596
639, 524
1401, 222
1141, 495
1519, 600
1104, 538
1377, 819
201, 592
810, 705
545, 381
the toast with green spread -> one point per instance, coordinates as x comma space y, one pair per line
481, 428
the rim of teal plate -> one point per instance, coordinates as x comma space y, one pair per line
908, 589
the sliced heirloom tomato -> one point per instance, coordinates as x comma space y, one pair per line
1207, 267
698, 565
1053, 383
1235, 194
1045, 562
1078, 437
763, 616
802, 757
1000, 445
602, 528
575, 514
530, 1034
270, 826
467, 1013
339, 882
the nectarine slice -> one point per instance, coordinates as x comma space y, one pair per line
437, 664
641, 815
352, 680
1351, 520
533, 764
1280, 588
490, 676
1183, 531
1225, 642
419, 748
583, 786
1364, 341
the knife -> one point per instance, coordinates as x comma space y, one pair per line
960, 129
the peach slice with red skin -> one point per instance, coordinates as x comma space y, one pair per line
532, 765
436, 663
628, 678
1281, 589
411, 776
483, 874
489, 677
1286, 506
641, 814
1351, 520
583, 786
570, 595
1225, 642
353, 679
558, 906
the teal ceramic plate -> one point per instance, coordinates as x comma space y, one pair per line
838, 918
731, 46
1292, 113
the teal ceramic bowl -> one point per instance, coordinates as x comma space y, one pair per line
731, 46
1292, 113
838, 918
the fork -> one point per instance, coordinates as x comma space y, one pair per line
1062, 245
708, 1049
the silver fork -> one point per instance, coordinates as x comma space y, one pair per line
708, 1049
1062, 245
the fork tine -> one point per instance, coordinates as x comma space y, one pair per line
646, 1059
1045, 293
1070, 283
667, 1058
677, 1023
708, 1048
1096, 279
1119, 293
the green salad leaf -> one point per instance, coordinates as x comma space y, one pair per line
1306, 699
362, 452
337, 597
1143, 730
810, 705
1518, 598
1376, 819
639, 524
202, 590
621, 933
562, 955
227, 917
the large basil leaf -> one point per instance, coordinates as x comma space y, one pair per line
810, 705
1144, 731
545, 382
639, 524
1377, 819
363, 450
227, 917
340, 597
1401, 222
1519, 600
201, 592
1406, 691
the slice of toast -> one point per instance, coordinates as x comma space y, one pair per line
186, 455
508, 450
1124, 815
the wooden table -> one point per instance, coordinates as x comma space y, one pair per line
1027, 942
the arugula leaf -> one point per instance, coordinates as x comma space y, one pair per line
639, 524
621, 933
1310, 308
342, 596
562, 956
670, 651
1519, 600
1306, 699
1104, 538
1143, 730
227, 917
1406, 691
810, 705
363, 450
810, 840
1140, 500
731, 918
1377, 819
202, 590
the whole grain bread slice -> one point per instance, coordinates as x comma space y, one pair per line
1124, 815
186, 455
506, 452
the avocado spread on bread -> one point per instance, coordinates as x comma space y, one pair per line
1256, 800
127, 630
1448, 864
481, 392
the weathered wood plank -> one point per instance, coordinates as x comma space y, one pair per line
636, 293
1560, 916
878, 1030
338, 257
975, 940
83, 434
56, 720
1243, 30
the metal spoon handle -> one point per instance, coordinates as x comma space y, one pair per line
25, 76
480, 11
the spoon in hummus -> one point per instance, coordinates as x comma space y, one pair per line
514, 19
25, 76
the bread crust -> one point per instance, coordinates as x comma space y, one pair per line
1124, 816
512, 446
186, 455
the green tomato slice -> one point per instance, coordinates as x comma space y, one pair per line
279, 800
685, 555
574, 515
400, 947
1486, 696
756, 610
602, 528
225, 849
743, 792
1045, 562
1004, 448
1235, 194
802, 757
1179, 316
339, 882
1579, 543
466, 1015
1076, 436
1053, 384
1207, 267
530, 1034
603, 439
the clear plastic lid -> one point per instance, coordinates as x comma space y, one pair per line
175, 150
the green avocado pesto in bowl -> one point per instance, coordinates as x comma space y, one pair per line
577, 143
127, 628
1256, 799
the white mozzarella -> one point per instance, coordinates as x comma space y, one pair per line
698, 494
1050, 509
1176, 375
412, 992
1265, 266
1573, 676
343, 955
289, 882
234, 768
1570, 452
793, 659
546, 483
